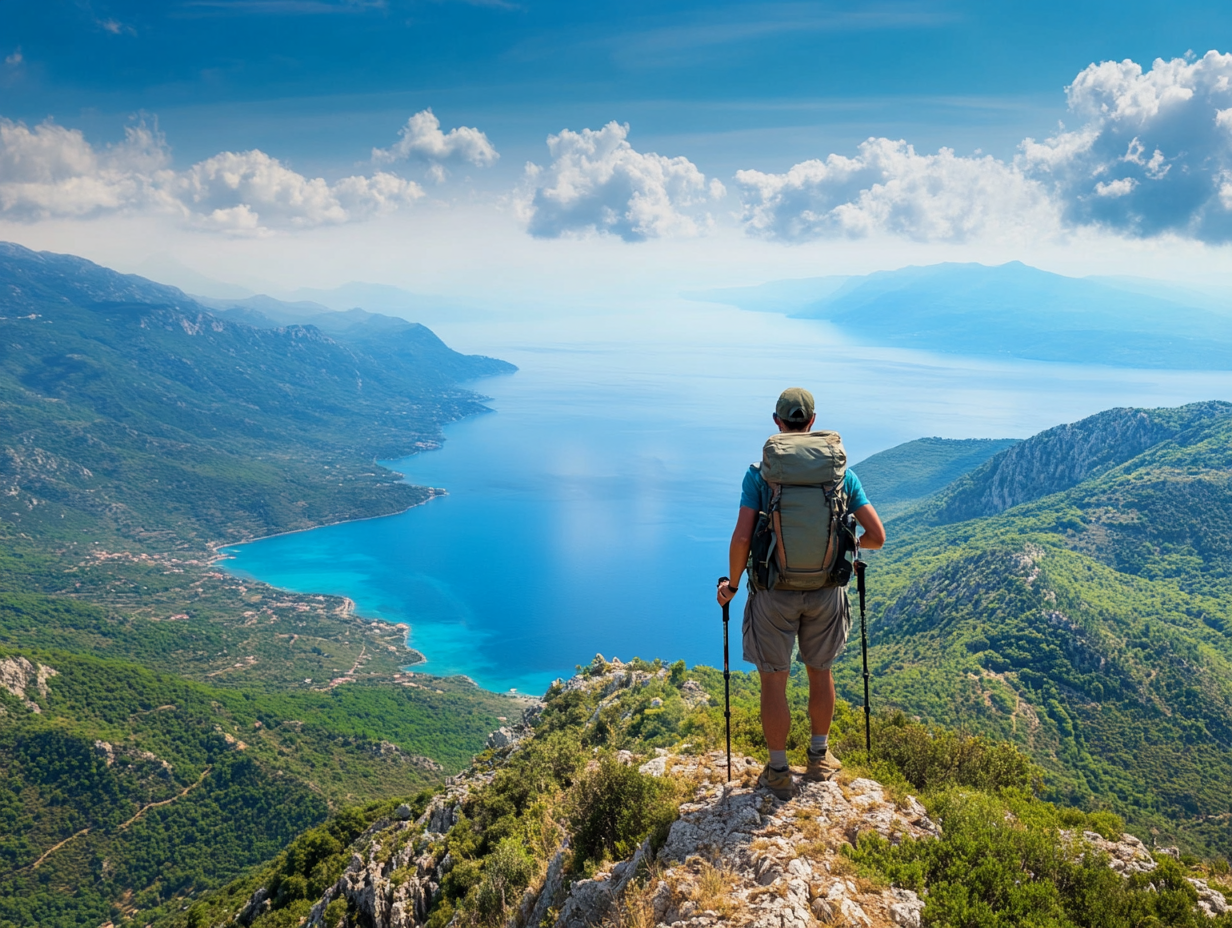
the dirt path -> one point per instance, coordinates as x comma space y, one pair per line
140, 812
51, 850
180, 795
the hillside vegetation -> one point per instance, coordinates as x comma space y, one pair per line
907, 474
1071, 596
612, 807
164, 726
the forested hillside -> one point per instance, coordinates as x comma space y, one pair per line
162, 725
1071, 595
900, 477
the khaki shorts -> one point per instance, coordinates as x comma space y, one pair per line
775, 619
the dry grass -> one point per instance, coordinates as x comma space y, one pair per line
814, 850
635, 909
709, 888
808, 826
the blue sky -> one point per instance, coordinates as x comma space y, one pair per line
305, 78
314, 86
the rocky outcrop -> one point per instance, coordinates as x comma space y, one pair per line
18, 675
1126, 856
1211, 901
738, 854
1063, 457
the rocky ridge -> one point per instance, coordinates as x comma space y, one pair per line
735, 855
1064, 456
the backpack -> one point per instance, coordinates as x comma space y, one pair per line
802, 541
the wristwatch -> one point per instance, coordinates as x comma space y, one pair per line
733, 587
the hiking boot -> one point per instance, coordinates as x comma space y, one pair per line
822, 766
779, 782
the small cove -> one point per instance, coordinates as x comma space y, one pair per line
590, 510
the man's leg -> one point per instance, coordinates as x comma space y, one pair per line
775, 716
821, 700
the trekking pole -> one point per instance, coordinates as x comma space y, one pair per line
726, 680
859, 565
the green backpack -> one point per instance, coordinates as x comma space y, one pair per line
802, 542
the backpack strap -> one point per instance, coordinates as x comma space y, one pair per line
776, 493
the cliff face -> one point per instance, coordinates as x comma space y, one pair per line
1064, 456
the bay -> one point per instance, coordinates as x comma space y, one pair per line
590, 510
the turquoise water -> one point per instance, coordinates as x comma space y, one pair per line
590, 511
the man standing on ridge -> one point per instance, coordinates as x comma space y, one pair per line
793, 520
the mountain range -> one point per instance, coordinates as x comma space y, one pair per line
1010, 311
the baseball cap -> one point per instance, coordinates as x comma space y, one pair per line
795, 405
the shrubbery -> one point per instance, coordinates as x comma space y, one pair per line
613, 808
1002, 861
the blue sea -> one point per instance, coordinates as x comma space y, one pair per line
590, 510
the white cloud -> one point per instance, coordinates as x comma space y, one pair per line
50, 171
53, 171
598, 182
15, 58
1152, 155
250, 191
422, 139
890, 188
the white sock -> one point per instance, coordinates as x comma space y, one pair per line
818, 744
778, 760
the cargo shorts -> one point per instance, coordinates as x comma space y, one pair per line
775, 619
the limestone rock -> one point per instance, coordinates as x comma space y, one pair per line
17, 675
1211, 901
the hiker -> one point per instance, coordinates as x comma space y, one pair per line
791, 509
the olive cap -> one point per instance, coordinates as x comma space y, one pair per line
795, 405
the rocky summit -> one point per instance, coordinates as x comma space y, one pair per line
733, 854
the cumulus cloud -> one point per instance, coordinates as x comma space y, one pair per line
1151, 154
50, 171
14, 59
421, 139
598, 182
890, 188
53, 171
249, 191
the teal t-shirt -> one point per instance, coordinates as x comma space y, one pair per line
755, 492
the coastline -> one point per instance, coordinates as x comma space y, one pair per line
214, 546
347, 607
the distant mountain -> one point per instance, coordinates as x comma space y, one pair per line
397, 345
128, 402
392, 301
899, 477
1062, 457
1014, 311
1073, 594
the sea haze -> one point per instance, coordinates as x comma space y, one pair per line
590, 510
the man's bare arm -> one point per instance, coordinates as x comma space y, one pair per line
738, 553
874, 532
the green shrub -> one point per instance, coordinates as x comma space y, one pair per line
930, 759
614, 807
506, 872
676, 677
1001, 862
